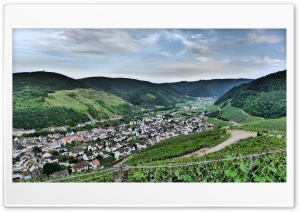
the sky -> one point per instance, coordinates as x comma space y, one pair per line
155, 55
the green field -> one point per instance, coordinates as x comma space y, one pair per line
165, 111
81, 97
212, 108
179, 115
89, 101
187, 103
269, 124
237, 115
219, 122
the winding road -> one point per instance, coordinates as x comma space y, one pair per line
236, 135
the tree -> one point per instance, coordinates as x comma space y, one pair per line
50, 168
54, 152
36, 149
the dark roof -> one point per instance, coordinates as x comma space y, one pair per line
80, 165
89, 154
20, 147
121, 150
53, 157
77, 150
131, 145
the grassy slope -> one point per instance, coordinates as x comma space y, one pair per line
219, 122
212, 108
269, 124
237, 115
83, 96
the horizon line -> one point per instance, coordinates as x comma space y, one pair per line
137, 79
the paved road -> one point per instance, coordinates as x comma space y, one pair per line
236, 135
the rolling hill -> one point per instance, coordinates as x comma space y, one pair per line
42, 99
141, 93
203, 88
263, 97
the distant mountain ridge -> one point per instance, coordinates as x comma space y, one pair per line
263, 97
141, 93
42, 99
202, 88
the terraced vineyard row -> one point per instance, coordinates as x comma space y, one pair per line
179, 146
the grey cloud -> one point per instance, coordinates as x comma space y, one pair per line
253, 37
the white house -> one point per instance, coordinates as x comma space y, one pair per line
95, 164
141, 145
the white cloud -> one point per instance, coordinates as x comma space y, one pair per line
270, 61
281, 49
167, 54
249, 58
263, 60
258, 36
210, 60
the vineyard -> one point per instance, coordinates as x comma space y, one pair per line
269, 167
237, 115
102, 175
269, 124
179, 146
218, 122
259, 159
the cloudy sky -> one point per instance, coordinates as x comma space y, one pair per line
156, 55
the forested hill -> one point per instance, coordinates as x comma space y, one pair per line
203, 88
45, 82
43, 99
263, 97
142, 93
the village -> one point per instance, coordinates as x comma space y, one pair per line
99, 147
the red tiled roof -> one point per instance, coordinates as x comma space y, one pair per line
95, 162
80, 165
65, 139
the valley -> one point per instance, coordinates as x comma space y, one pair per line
96, 126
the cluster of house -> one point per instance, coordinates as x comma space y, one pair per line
108, 142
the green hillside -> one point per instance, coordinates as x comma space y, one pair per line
272, 125
263, 97
141, 93
237, 115
231, 164
42, 99
178, 146
204, 88
31, 88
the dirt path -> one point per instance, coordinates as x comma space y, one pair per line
236, 135
234, 123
